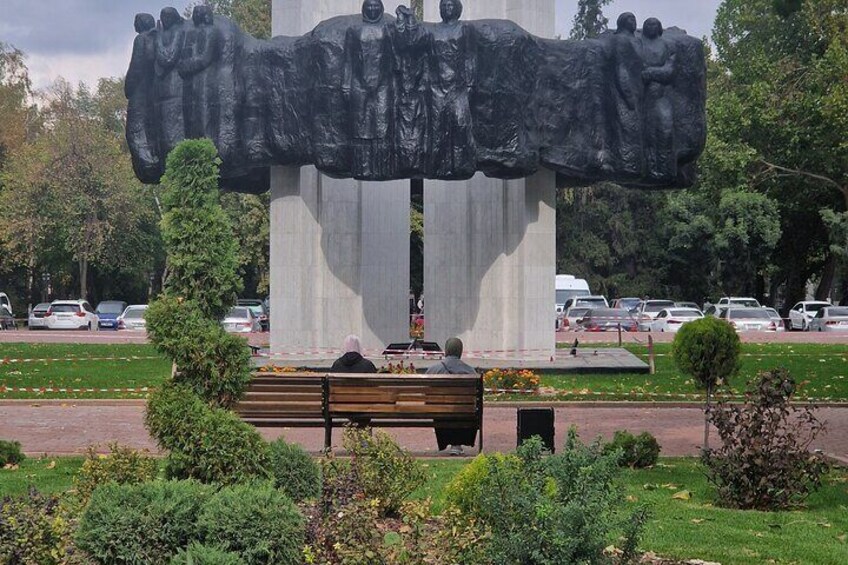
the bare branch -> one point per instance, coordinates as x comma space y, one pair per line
795, 172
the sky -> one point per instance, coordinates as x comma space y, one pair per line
84, 40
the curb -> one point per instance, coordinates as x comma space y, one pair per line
71, 402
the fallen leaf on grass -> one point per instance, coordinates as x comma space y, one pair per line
51, 465
697, 521
671, 486
823, 524
842, 538
649, 486
631, 498
682, 495
10, 467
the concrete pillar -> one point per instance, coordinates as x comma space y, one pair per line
490, 245
339, 248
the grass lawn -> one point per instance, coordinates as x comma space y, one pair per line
71, 366
822, 371
683, 529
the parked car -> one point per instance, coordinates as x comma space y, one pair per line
648, 310
688, 305
745, 302
6, 303
629, 304
775, 316
714, 311
569, 286
672, 319
108, 311
749, 319
7, 321
241, 319
608, 319
258, 308
802, 314
571, 318
587, 302
830, 319
71, 315
132, 319
38, 317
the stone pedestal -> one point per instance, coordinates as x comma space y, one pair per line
490, 245
339, 248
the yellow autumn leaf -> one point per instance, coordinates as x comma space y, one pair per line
682, 495
51, 465
697, 521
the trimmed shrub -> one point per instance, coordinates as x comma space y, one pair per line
146, 523
31, 530
294, 471
213, 363
210, 445
464, 490
196, 232
255, 521
765, 461
10, 453
198, 554
636, 452
122, 465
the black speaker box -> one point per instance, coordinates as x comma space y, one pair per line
537, 422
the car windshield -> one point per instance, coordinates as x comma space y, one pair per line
238, 312
65, 308
832, 312
746, 302
748, 314
110, 308
257, 309
816, 307
562, 295
134, 314
577, 312
41, 307
592, 302
610, 313
658, 305
685, 313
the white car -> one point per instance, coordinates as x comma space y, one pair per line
648, 310
802, 314
6, 303
132, 318
241, 319
38, 317
831, 319
775, 316
739, 301
71, 315
672, 319
572, 316
749, 319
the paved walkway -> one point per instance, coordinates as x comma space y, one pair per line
64, 428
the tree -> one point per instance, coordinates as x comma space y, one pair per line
253, 16
707, 350
589, 21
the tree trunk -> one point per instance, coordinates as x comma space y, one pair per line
83, 267
828, 274
30, 276
706, 446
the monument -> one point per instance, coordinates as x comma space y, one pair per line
336, 111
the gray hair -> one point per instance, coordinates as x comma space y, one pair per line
453, 347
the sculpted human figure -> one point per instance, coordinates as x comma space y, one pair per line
628, 96
659, 60
169, 84
453, 68
410, 42
368, 87
138, 88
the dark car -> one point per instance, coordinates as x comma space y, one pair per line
608, 319
108, 312
258, 308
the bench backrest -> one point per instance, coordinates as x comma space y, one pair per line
283, 396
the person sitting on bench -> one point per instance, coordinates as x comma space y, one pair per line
453, 364
352, 361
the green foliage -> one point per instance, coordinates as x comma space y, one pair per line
294, 471
589, 21
559, 509
122, 465
202, 252
32, 530
254, 16
708, 350
10, 453
464, 490
255, 521
146, 523
636, 452
384, 471
213, 363
198, 554
765, 461
208, 444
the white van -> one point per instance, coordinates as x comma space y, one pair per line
568, 286
4, 302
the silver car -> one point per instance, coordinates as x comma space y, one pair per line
133, 318
241, 319
830, 319
779, 325
749, 319
572, 317
37, 317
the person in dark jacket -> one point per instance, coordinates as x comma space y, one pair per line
352, 361
453, 364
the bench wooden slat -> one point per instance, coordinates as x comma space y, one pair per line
424, 410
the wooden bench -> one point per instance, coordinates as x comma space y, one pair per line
383, 401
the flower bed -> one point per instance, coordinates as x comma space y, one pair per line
511, 380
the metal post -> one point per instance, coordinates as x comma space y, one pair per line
651, 360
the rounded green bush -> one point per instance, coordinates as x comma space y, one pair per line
463, 492
10, 453
198, 554
294, 471
143, 523
708, 350
256, 521
637, 452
